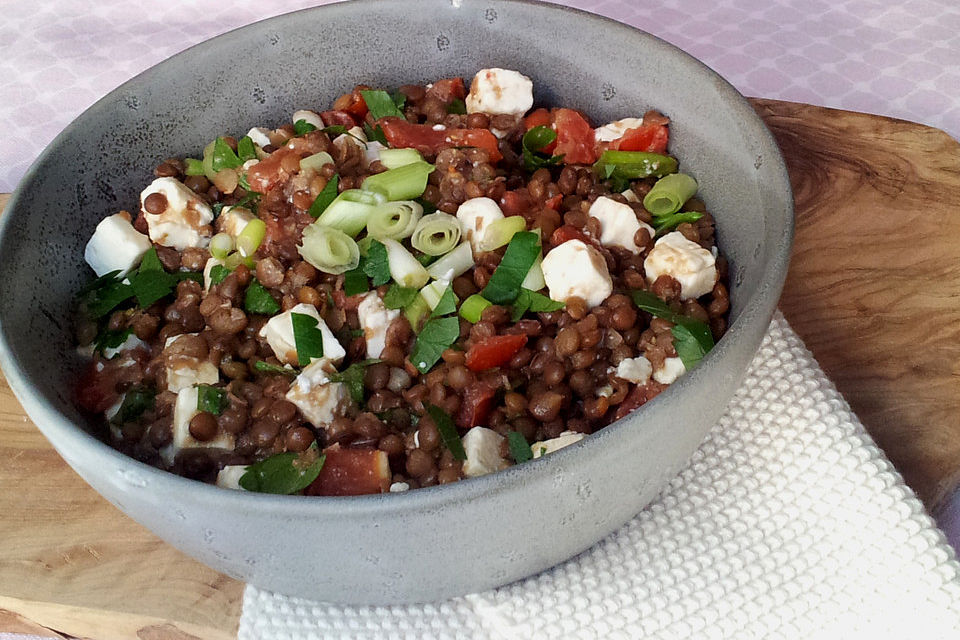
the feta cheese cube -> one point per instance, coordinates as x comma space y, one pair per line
184, 410
115, 246
279, 335
618, 223
397, 487
186, 220
375, 319
372, 152
615, 130
260, 136
318, 399
500, 91
636, 370
475, 215
186, 371
229, 476
482, 446
565, 439
630, 195
207, 268
354, 136
687, 262
574, 268
132, 342
232, 220
671, 370
311, 117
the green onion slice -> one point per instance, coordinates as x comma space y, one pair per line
499, 232
350, 211
472, 308
395, 220
404, 268
665, 223
316, 161
221, 245
452, 264
631, 165
436, 234
194, 167
328, 249
250, 239
669, 194
403, 183
394, 158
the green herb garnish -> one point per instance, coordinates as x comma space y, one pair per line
692, 338
436, 336
528, 300
284, 473
218, 274
136, 401
246, 150
266, 367
355, 281
399, 99
193, 167
327, 195
662, 224
533, 141
258, 300
428, 207
352, 376
398, 297
380, 104
519, 447
110, 338
223, 156
448, 432
458, 106
446, 305
301, 127
375, 134
377, 266
211, 399
504, 284
334, 130
307, 338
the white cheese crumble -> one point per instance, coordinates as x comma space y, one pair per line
232, 220
671, 370
500, 91
115, 246
279, 335
618, 223
615, 130
132, 342
310, 117
397, 487
686, 261
375, 319
260, 136
229, 476
183, 411
636, 370
482, 446
565, 439
475, 215
318, 399
186, 220
576, 269
207, 268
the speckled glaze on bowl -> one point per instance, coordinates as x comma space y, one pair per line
443, 541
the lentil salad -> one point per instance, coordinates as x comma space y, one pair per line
407, 289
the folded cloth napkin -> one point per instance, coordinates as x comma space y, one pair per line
788, 522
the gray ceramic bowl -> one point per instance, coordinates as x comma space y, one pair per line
437, 542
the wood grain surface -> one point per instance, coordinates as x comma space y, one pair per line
873, 289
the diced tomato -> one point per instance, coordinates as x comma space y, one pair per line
351, 472
516, 202
265, 175
541, 118
640, 395
424, 138
568, 232
554, 202
96, 390
575, 140
352, 103
647, 137
476, 405
494, 351
342, 118
447, 90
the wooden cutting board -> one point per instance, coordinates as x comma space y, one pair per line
873, 289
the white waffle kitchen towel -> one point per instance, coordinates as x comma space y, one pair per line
787, 523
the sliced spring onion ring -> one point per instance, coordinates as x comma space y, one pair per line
404, 268
329, 249
436, 234
403, 183
208, 161
472, 308
316, 161
235, 259
394, 158
249, 240
350, 211
434, 291
534, 280
395, 220
453, 264
669, 193
221, 245
499, 232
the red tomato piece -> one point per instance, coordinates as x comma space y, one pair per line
554, 202
647, 137
342, 118
494, 351
352, 103
575, 139
265, 175
541, 118
640, 395
95, 390
568, 232
425, 139
351, 472
447, 90
516, 202
476, 405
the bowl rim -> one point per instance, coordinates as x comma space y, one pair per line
64, 433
